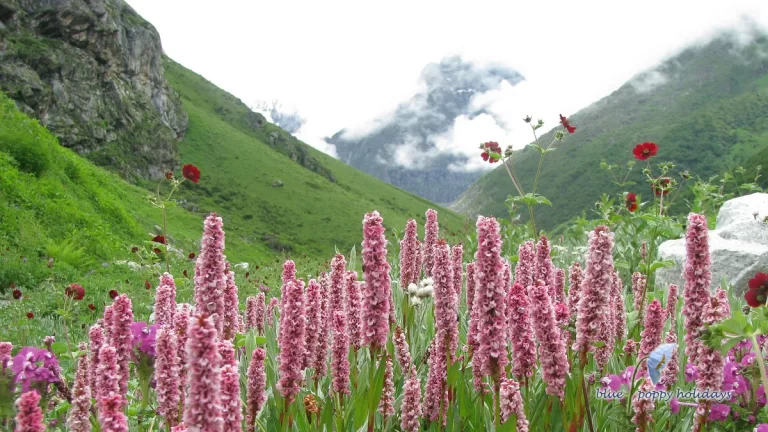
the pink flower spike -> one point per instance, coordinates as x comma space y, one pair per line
446, 305
122, 338
511, 402
107, 324
111, 415
78, 418
408, 245
619, 310
340, 352
698, 276
387, 400
354, 311
165, 300
338, 283
638, 289
29, 416
255, 310
595, 292
470, 286
436, 392
96, 342
321, 355
167, 384
291, 340
202, 409
231, 407
650, 337
574, 283
257, 383
108, 381
643, 408
526, 264
431, 232
457, 257
545, 270
210, 276
231, 305
402, 351
552, 350
181, 327
314, 315
671, 310
377, 293
410, 408
490, 292
521, 333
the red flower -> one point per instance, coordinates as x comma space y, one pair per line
169, 175
157, 251
16, 294
113, 294
30, 315
631, 202
134, 249
662, 186
91, 307
147, 285
76, 291
191, 255
491, 152
191, 173
645, 150
160, 239
758, 290
566, 124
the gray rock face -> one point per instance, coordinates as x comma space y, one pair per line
738, 247
92, 72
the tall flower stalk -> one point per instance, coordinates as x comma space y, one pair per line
431, 233
210, 276
291, 342
698, 277
257, 383
202, 409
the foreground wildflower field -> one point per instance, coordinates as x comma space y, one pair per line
505, 330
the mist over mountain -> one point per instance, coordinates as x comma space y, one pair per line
415, 146
288, 120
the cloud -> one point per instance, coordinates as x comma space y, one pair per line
648, 81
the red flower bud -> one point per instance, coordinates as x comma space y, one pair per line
169, 175
16, 294
191, 255
113, 294
91, 307
76, 291
30, 315
147, 285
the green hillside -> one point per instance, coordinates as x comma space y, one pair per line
708, 113
55, 203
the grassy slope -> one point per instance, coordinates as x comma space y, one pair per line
309, 214
710, 115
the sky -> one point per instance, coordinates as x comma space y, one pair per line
345, 64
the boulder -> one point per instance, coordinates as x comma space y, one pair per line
738, 246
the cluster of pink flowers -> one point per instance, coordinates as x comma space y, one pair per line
387, 400
490, 292
650, 337
291, 339
619, 311
431, 232
643, 407
638, 289
436, 392
574, 283
698, 277
511, 402
521, 333
313, 314
231, 323
231, 407
29, 416
446, 300
408, 255
671, 310
353, 310
109, 400
377, 294
559, 286
181, 325
595, 292
457, 257
210, 280
167, 384
96, 341
411, 409
545, 270
339, 352
710, 361
78, 419
122, 338
321, 354
255, 310
256, 391
202, 411
552, 350
402, 351
470, 285
165, 300
526, 264
338, 283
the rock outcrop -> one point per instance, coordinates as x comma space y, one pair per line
739, 245
92, 72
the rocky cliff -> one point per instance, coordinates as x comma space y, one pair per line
92, 72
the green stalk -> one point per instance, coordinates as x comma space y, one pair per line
497, 403
371, 405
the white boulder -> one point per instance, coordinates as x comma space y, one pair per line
738, 247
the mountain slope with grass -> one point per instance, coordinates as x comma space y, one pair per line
706, 108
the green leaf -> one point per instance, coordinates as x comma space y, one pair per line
59, 348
